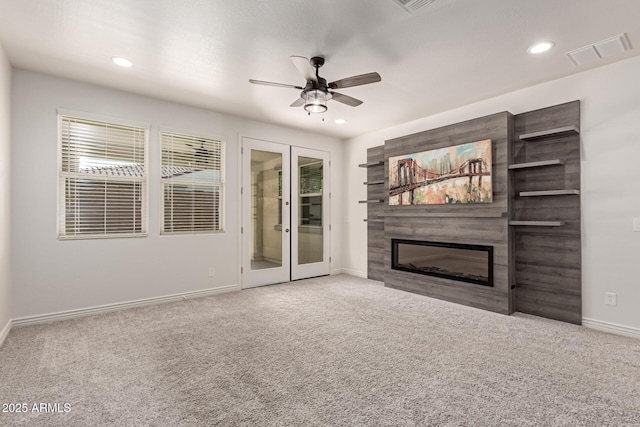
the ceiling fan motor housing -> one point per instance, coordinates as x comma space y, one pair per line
320, 85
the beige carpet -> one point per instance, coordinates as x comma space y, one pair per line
331, 351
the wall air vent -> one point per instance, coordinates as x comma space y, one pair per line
412, 6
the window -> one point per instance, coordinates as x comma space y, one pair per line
102, 179
310, 191
192, 183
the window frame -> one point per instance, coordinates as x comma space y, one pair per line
222, 186
61, 194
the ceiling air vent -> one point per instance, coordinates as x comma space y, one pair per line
412, 6
600, 50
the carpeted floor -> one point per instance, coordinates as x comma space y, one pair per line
331, 351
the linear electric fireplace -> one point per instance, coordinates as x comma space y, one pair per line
455, 261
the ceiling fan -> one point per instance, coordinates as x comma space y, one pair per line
317, 91
201, 154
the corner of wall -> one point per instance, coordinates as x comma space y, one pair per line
5, 196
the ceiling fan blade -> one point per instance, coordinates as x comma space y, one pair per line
345, 99
304, 66
297, 103
362, 79
260, 82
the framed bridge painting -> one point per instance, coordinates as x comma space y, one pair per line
456, 174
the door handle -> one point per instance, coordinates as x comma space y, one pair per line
286, 230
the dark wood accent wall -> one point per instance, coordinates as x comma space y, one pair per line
485, 224
548, 257
533, 223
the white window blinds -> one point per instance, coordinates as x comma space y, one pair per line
102, 179
192, 183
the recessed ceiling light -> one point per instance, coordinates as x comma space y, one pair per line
340, 121
541, 47
123, 62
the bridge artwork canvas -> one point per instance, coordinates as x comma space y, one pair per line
456, 174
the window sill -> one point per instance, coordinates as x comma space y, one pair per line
190, 233
101, 236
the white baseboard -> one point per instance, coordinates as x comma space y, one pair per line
5, 331
71, 314
349, 272
613, 328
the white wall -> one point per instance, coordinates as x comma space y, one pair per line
5, 191
610, 175
51, 276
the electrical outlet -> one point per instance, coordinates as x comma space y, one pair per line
636, 224
611, 299
212, 271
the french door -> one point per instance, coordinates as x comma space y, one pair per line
266, 241
309, 213
285, 212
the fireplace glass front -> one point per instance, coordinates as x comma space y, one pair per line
466, 263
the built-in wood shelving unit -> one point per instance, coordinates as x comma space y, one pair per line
550, 133
554, 162
549, 193
546, 228
376, 196
538, 223
371, 164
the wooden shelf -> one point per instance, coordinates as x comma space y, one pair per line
549, 193
373, 220
538, 223
555, 162
449, 214
381, 181
371, 164
371, 201
563, 131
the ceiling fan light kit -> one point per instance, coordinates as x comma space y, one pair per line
317, 91
315, 101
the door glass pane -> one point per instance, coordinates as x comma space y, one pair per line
266, 209
310, 210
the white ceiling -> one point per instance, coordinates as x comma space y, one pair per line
203, 52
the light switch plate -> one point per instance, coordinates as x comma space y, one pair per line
636, 224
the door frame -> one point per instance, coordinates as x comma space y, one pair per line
245, 203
